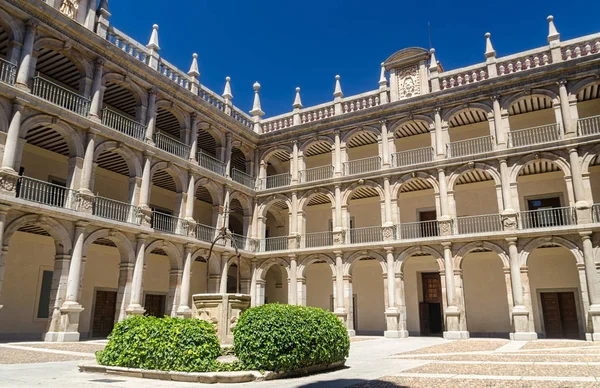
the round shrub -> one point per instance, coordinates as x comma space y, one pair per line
280, 337
186, 345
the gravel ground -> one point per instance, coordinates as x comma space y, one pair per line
588, 350
397, 382
510, 370
549, 344
71, 347
471, 345
17, 356
511, 358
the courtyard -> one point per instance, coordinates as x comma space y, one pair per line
373, 362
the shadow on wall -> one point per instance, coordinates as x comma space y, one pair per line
357, 383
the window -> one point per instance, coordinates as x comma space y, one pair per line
545, 212
44, 300
543, 203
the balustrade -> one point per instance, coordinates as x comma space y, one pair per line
274, 244
546, 218
360, 102
588, 126
172, 146
60, 96
170, 224
478, 224
316, 174
366, 235
467, 147
174, 74
242, 178
411, 157
534, 135
580, 49
241, 117
46, 193
278, 180
317, 113
420, 229
359, 166
317, 239
205, 233
522, 62
212, 98
241, 242
211, 163
123, 124
127, 45
8, 72
464, 76
116, 210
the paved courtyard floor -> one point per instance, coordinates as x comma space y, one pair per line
373, 362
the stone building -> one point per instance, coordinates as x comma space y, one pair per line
457, 203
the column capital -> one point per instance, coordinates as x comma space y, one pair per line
338, 253
32, 24
99, 62
585, 234
18, 104
447, 244
495, 97
149, 154
383, 122
141, 236
389, 250
4, 208
189, 247
81, 224
511, 240
561, 82
152, 91
437, 110
292, 256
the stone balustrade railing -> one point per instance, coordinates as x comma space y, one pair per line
362, 101
463, 76
8, 72
172, 146
473, 146
534, 135
484, 223
545, 218
123, 124
174, 74
524, 61
61, 96
169, 224
128, 45
581, 47
46, 193
588, 125
116, 210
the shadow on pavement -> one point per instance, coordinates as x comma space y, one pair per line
357, 383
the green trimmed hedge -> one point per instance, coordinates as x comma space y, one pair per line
280, 337
186, 345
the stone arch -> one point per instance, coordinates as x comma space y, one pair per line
133, 162
418, 250
486, 167
262, 270
554, 158
12, 26
305, 199
416, 175
176, 173
202, 252
423, 118
487, 110
268, 153
70, 135
315, 139
357, 256
348, 135
245, 272
555, 240
244, 200
83, 65
215, 191
347, 194
123, 244
62, 238
179, 113
305, 262
468, 248
577, 86
262, 209
510, 100
218, 136
174, 253
587, 158
139, 94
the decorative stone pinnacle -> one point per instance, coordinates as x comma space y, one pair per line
338, 88
256, 110
227, 91
297, 100
489, 49
194, 67
382, 79
433, 66
153, 44
103, 5
552, 31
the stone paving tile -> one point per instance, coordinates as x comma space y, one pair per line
17, 356
549, 344
588, 350
509, 370
510, 358
360, 339
471, 345
71, 347
397, 382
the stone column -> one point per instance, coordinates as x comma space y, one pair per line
151, 116
4, 248
184, 309
401, 304
190, 198
385, 145
96, 104
521, 314
228, 149
144, 202
455, 320
340, 310
294, 237
593, 287
57, 298
392, 313
293, 289
294, 163
8, 174
440, 147
508, 214
253, 283
570, 130
135, 305
338, 229
193, 140
87, 173
444, 219
124, 290
498, 122
26, 55
337, 153
583, 208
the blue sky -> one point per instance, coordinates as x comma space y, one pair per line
284, 44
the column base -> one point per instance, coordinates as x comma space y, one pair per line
184, 312
523, 336
456, 335
8, 181
135, 309
54, 336
395, 334
351, 333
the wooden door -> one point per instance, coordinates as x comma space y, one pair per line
430, 310
428, 230
568, 315
104, 313
155, 305
560, 315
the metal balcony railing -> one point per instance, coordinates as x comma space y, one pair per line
420, 229
8, 72
60, 96
278, 180
359, 166
211, 163
274, 244
123, 124
588, 126
534, 135
172, 146
467, 147
240, 241
317, 239
116, 210
546, 218
242, 178
366, 235
35, 190
170, 224
205, 233
316, 174
410, 157
596, 212
478, 224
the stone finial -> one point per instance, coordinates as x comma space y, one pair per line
382, 79
338, 88
297, 101
153, 43
489, 49
227, 90
553, 34
433, 65
256, 110
194, 67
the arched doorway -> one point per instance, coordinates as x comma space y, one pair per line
368, 303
